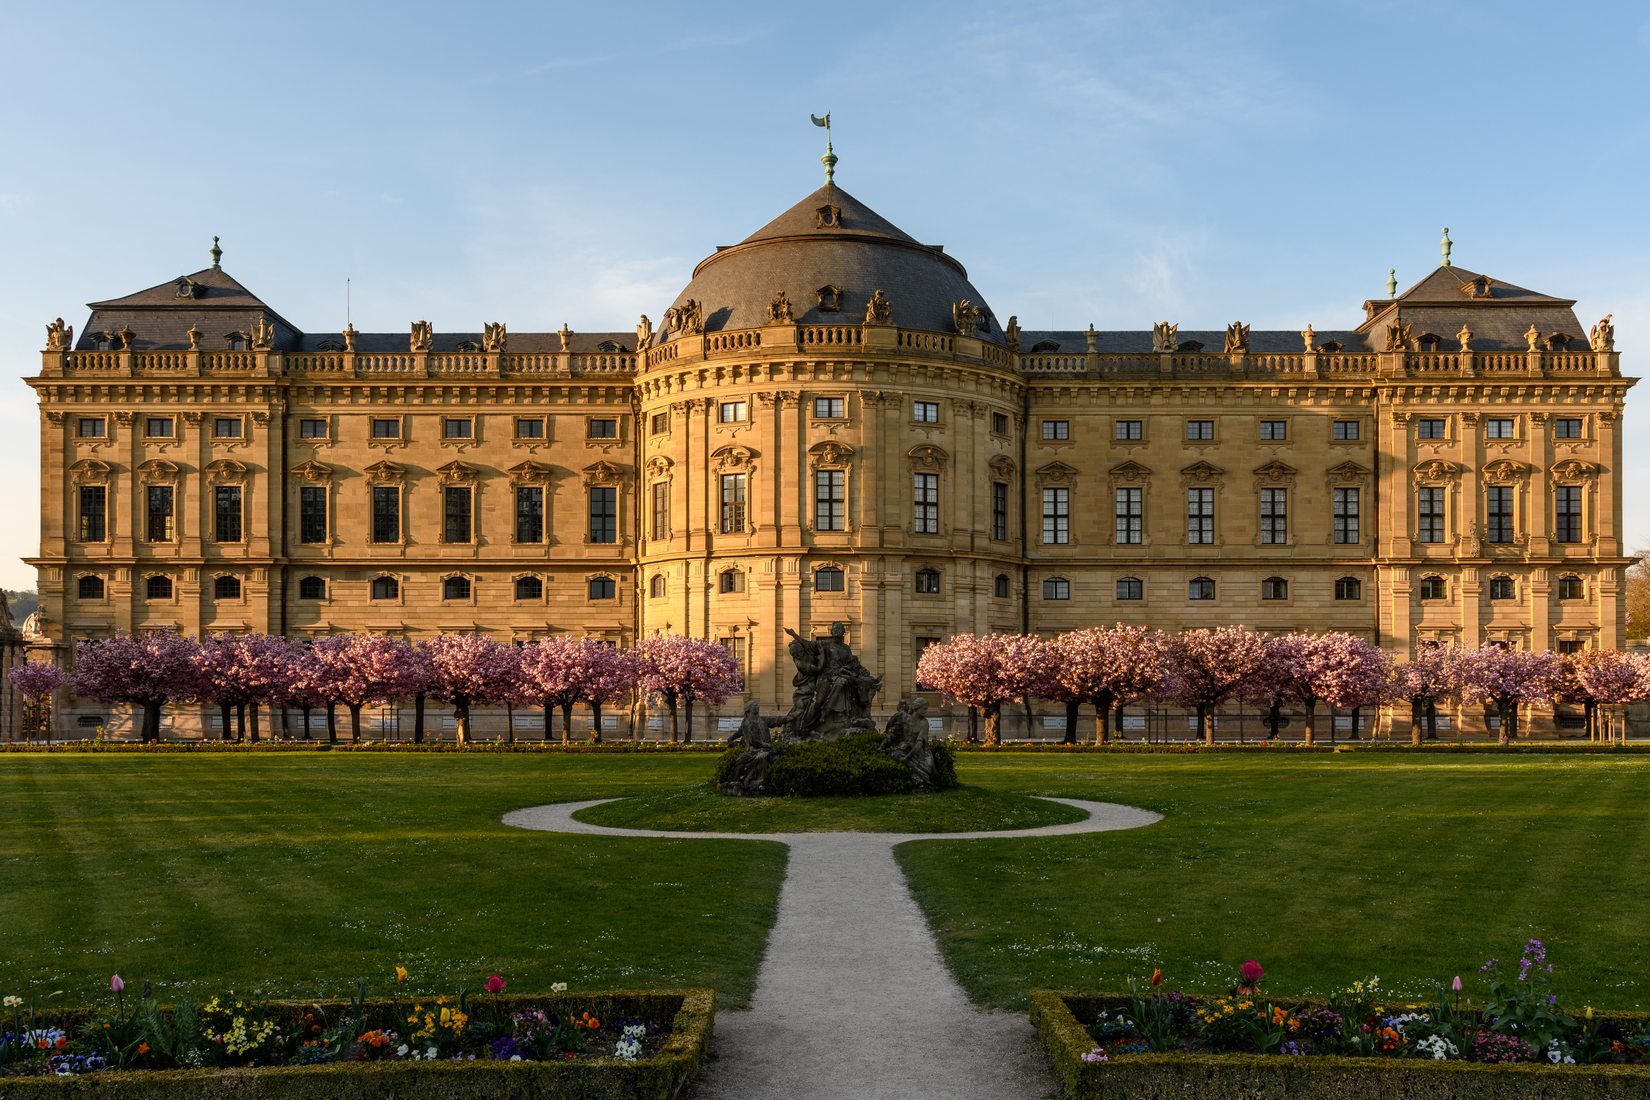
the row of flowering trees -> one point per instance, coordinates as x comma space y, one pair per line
1200, 670
240, 673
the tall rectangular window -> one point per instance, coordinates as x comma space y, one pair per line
830, 500
1346, 516
734, 488
999, 423
999, 510
1429, 514
1498, 513
1567, 513
94, 510
1274, 516
925, 501
226, 513
160, 513
1200, 516
1130, 516
1056, 516
660, 424
312, 513
456, 511
604, 514
661, 510
386, 513
529, 513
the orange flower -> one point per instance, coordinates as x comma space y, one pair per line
1279, 1015
143, 1048
1157, 976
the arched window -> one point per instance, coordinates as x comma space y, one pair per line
90, 588
730, 580
1056, 588
829, 579
1501, 588
999, 587
1200, 588
226, 588
1274, 588
658, 586
1569, 587
529, 588
158, 588
1432, 588
602, 588
312, 588
1349, 588
1130, 588
928, 582
385, 588
455, 588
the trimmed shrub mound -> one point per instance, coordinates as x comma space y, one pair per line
852, 765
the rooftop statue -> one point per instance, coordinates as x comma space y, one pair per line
1601, 338
59, 336
879, 310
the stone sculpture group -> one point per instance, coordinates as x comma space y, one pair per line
831, 699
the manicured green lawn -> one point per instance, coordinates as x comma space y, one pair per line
702, 809
296, 874
1324, 868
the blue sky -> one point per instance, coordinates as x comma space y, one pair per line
1114, 163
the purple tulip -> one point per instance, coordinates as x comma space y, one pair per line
116, 985
1455, 986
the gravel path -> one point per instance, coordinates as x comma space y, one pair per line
853, 1001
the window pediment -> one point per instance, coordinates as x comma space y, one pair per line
529, 471
659, 466
1573, 469
1275, 473
313, 471
1505, 470
1202, 472
89, 470
1002, 467
385, 473
829, 454
605, 473
1130, 472
1056, 473
926, 456
225, 469
456, 472
1436, 470
158, 469
733, 456
1348, 471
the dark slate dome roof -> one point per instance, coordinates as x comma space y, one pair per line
801, 252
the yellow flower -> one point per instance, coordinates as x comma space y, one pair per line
400, 974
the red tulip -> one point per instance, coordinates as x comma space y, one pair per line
1251, 972
495, 984
1157, 976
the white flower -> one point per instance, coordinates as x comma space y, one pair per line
558, 987
401, 1051
430, 1054
13, 1002
515, 1057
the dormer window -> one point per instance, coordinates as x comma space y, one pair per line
468, 346
1558, 341
188, 288
830, 299
1190, 345
1479, 287
1043, 347
236, 341
1429, 341
610, 347
1331, 346
330, 345
828, 217
100, 341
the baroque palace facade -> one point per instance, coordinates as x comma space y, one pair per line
830, 424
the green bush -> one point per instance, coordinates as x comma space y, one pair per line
851, 765
945, 768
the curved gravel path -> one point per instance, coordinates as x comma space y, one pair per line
853, 1001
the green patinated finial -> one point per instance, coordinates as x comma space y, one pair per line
1392, 282
829, 159
1445, 245
217, 253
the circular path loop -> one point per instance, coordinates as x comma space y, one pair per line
853, 1001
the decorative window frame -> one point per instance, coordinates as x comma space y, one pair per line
829, 593
1277, 475
229, 441
1580, 474
742, 581
658, 586
89, 575
154, 473
240, 584
1214, 589
829, 454
467, 600
1581, 582
1438, 473
313, 473
397, 600
1420, 583
1202, 475
939, 586
387, 475
611, 578
1349, 475
171, 580
461, 475
529, 441
387, 442
1057, 475
460, 442
926, 458
1054, 579
326, 589
1510, 474
1512, 585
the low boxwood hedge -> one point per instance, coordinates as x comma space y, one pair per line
843, 766
689, 1013
1318, 1077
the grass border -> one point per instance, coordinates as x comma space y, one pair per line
1319, 1077
660, 1077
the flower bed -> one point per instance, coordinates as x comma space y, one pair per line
589, 1046
1517, 1042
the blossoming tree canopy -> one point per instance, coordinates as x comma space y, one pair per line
1208, 666
1431, 676
471, 668
235, 671
1107, 667
561, 671
146, 669
1505, 678
674, 667
985, 671
358, 669
37, 680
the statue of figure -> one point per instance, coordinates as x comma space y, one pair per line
749, 773
349, 337
1237, 338
1092, 337
59, 337
1308, 339
644, 334
494, 338
833, 691
1165, 337
1601, 338
966, 317
879, 310
566, 335
1532, 337
125, 336
1465, 337
263, 334
779, 310
194, 338
1012, 332
906, 741
685, 318
422, 336
1398, 337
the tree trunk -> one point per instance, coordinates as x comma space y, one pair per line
1356, 734
973, 725
253, 707
566, 721
1206, 723
240, 721
1102, 720
549, 718
332, 723
1071, 722
994, 724
1432, 719
151, 720
595, 721
418, 718
510, 722
304, 710
354, 721
225, 717
1309, 734
1415, 723
1504, 712
687, 719
670, 701
461, 721
1589, 719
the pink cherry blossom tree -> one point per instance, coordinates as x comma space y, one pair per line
466, 669
1431, 676
146, 670
240, 672
307, 685
1336, 668
37, 682
1107, 667
985, 671
675, 668
612, 676
358, 669
1600, 678
1206, 667
1350, 674
1508, 679
551, 676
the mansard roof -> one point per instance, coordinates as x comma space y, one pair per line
211, 301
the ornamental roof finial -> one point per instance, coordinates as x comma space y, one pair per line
829, 159
1392, 282
217, 253
1444, 245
